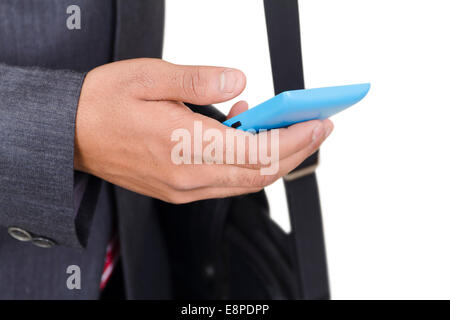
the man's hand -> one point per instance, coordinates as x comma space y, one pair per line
128, 111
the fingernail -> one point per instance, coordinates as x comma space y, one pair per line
229, 80
318, 132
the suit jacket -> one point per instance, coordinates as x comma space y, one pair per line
37, 186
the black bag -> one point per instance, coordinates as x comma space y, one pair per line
230, 248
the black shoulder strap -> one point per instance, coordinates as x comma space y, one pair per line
283, 29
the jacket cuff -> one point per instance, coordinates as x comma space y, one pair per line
37, 126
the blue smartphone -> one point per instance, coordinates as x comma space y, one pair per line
295, 106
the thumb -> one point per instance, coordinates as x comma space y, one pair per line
199, 85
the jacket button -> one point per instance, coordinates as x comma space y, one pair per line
43, 242
19, 234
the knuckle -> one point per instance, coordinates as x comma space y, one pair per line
255, 166
194, 83
177, 199
174, 198
225, 179
142, 79
269, 179
254, 180
178, 181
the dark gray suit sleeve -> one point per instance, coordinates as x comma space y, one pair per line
37, 126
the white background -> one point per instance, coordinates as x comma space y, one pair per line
384, 176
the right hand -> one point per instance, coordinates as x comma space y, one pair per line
128, 110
